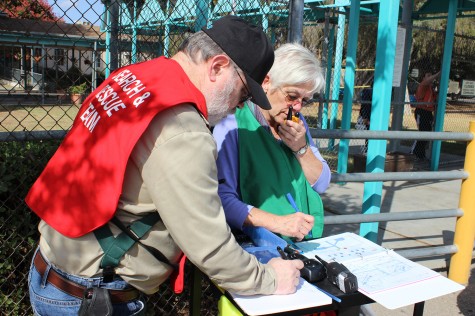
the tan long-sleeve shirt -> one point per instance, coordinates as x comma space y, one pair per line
171, 170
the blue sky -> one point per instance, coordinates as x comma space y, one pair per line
78, 10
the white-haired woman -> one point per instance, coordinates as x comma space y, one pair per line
269, 168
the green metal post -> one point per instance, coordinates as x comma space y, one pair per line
202, 13
133, 21
380, 107
340, 39
444, 82
353, 26
108, 39
166, 31
264, 11
331, 42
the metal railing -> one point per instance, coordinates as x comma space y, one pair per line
27, 78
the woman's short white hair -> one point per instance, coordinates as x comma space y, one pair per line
294, 65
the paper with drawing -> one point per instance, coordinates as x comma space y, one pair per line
383, 275
376, 268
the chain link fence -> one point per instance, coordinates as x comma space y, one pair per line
51, 56
49, 60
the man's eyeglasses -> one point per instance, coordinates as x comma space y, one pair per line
294, 99
248, 96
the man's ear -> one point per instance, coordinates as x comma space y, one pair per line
216, 66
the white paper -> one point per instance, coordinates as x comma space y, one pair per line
387, 271
306, 296
384, 276
417, 292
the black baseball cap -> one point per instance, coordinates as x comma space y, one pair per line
250, 49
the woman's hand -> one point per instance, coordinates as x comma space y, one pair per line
293, 134
296, 225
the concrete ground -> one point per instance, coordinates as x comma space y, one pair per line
401, 196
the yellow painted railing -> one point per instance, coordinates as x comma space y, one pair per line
460, 262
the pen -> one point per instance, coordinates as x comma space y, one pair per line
282, 253
294, 246
292, 202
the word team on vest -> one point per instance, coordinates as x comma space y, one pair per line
90, 117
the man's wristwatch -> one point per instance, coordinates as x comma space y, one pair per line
301, 151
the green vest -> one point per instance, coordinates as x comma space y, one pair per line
268, 171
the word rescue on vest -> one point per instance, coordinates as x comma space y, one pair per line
111, 101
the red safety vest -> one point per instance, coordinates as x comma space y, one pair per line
79, 189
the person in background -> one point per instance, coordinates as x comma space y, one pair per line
139, 165
266, 157
426, 97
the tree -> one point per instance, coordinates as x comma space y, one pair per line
428, 47
29, 9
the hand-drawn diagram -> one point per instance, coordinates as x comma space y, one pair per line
339, 248
387, 270
376, 268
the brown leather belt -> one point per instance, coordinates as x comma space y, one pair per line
71, 288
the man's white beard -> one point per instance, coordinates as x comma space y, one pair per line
219, 103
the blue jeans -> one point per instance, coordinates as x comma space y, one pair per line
46, 299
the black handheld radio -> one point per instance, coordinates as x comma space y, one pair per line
312, 271
340, 276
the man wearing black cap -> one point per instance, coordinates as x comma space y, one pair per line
133, 186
